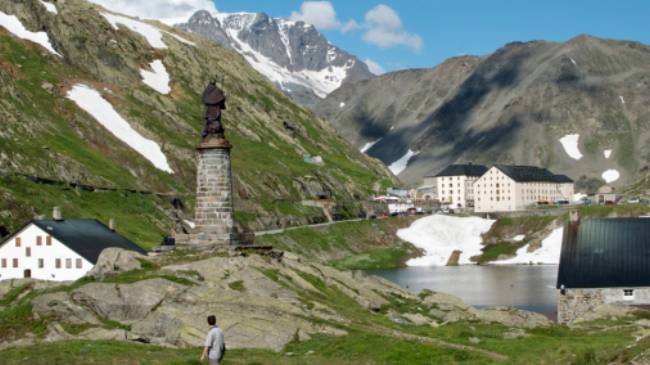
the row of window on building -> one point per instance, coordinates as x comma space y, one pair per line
39, 241
58, 263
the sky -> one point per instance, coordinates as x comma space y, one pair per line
399, 34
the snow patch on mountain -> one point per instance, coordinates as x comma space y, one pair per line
180, 39
570, 144
158, 79
549, 253
99, 108
13, 25
401, 164
49, 7
152, 34
440, 235
368, 145
607, 153
611, 175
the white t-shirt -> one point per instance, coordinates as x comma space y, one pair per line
215, 342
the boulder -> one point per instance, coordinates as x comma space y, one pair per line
126, 302
60, 306
420, 320
113, 261
513, 317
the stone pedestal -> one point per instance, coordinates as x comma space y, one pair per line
213, 215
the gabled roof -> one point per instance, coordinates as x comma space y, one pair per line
605, 253
521, 173
563, 179
86, 237
461, 170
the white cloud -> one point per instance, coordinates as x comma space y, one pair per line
167, 11
385, 29
374, 67
321, 14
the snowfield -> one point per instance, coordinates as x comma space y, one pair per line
607, 153
152, 34
13, 25
611, 175
158, 79
519, 237
548, 254
440, 235
50, 7
401, 164
570, 144
94, 104
368, 146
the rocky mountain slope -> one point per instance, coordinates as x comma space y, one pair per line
102, 113
512, 106
292, 54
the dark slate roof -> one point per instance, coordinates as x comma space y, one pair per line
605, 253
563, 179
520, 173
86, 237
461, 170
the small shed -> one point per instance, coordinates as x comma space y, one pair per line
603, 261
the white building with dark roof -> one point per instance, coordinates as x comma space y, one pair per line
506, 188
58, 250
454, 184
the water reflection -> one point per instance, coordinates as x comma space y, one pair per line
526, 287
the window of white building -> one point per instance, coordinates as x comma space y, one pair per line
628, 294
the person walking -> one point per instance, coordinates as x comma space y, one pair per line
215, 344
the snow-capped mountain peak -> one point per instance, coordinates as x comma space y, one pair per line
292, 54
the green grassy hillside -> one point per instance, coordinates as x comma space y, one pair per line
46, 135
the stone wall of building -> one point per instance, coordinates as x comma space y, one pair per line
214, 208
575, 302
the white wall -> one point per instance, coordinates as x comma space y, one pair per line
458, 191
49, 254
486, 198
513, 195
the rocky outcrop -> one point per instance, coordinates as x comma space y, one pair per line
259, 301
512, 317
113, 261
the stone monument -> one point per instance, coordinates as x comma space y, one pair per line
213, 217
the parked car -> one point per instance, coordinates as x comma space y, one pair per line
634, 201
562, 202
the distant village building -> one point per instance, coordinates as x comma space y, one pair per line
603, 261
425, 193
505, 188
606, 194
58, 249
454, 184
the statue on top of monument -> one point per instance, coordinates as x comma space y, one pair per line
215, 101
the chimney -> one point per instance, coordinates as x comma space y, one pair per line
573, 216
56, 214
111, 224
